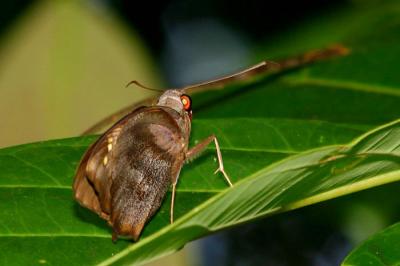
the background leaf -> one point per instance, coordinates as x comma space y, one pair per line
381, 249
61, 60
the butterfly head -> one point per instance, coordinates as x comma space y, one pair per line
177, 100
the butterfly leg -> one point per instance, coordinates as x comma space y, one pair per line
172, 203
175, 176
200, 147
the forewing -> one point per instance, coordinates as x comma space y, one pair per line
92, 181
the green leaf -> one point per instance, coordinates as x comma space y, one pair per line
301, 180
381, 249
38, 212
363, 87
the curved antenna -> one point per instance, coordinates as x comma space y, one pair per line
269, 67
220, 82
137, 83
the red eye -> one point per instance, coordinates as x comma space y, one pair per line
187, 102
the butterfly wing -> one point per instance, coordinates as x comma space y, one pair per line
91, 182
125, 175
84, 192
149, 157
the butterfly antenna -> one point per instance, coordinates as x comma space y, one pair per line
137, 83
221, 82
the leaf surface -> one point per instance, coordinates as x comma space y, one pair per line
381, 249
37, 209
300, 180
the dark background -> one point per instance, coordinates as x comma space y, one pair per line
181, 33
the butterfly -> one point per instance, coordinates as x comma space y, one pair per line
125, 175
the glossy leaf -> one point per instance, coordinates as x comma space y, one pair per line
38, 212
298, 181
381, 249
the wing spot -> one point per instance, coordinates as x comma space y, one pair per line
109, 147
105, 160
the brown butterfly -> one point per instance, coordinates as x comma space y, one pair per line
124, 176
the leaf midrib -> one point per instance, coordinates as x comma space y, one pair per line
378, 180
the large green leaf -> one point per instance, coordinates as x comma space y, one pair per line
38, 213
381, 249
295, 182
